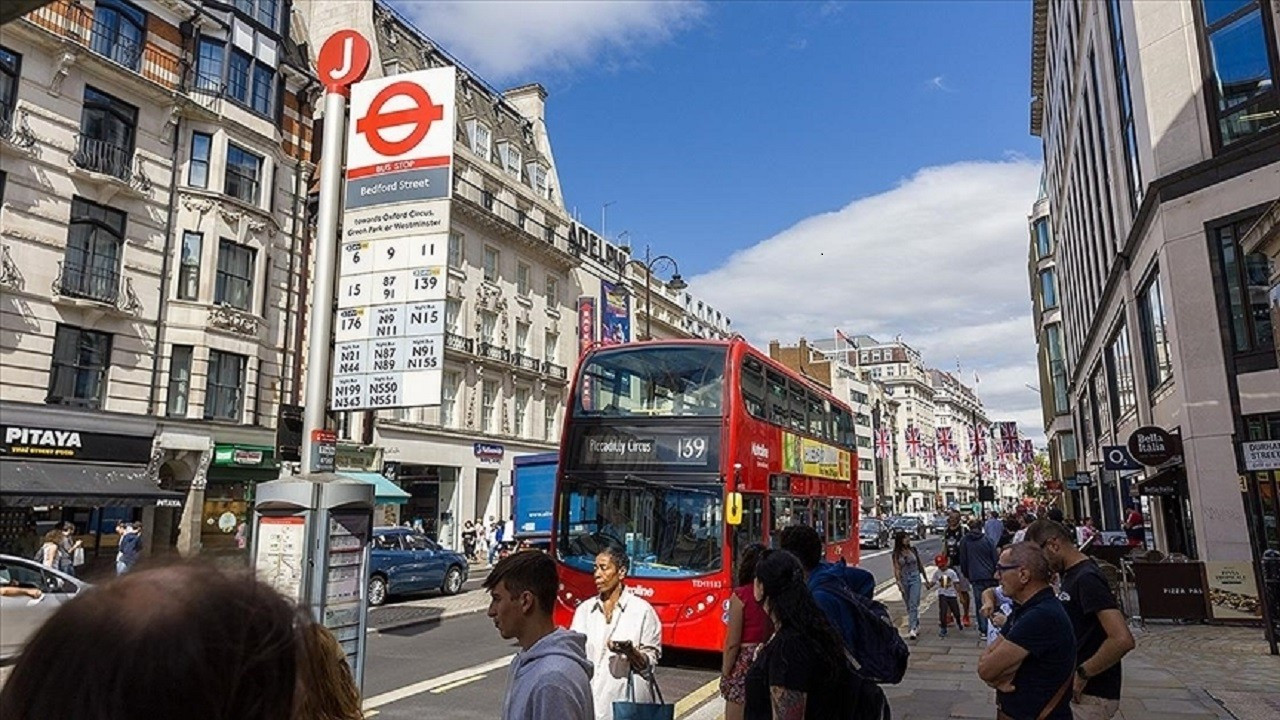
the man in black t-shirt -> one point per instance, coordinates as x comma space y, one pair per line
1102, 635
1030, 664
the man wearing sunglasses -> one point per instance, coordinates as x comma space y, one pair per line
1101, 633
1032, 663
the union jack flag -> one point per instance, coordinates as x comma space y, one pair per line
931, 455
1028, 452
913, 441
1009, 438
946, 444
884, 443
977, 441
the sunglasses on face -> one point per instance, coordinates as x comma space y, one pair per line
1006, 568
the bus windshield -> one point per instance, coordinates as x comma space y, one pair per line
669, 531
653, 382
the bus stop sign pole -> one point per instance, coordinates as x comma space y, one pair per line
343, 60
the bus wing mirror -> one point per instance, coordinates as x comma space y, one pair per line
733, 508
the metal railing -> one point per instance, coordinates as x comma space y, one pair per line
459, 343
554, 235
495, 352
554, 370
76, 23
80, 280
103, 157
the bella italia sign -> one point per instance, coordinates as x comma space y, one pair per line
1153, 445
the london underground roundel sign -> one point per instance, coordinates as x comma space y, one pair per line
343, 60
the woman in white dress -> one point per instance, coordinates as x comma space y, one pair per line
623, 632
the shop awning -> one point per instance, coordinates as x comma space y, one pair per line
1169, 482
27, 483
385, 491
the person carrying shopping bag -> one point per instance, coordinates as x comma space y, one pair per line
624, 637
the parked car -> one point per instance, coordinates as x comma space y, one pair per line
938, 524
404, 561
21, 616
909, 524
873, 533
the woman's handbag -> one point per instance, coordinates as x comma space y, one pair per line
629, 709
77, 557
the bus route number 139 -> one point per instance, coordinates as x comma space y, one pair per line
691, 448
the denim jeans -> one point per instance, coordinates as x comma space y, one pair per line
911, 596
979, 586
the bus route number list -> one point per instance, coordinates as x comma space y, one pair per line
389, 329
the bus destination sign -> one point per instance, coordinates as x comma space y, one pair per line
615, 448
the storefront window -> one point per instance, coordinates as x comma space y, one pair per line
226, 518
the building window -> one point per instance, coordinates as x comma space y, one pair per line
456, 240
179, 380
1239, 44
10, 71
538, 180
453, 316
479, 138
488, 405
1124, 99
95, 240
549, 346
1155, 339
522, 338
1048, 289
551, 410
1057, 368
210, 64
553, 291
189, 266
78, 375
107, 127
224, 390
264, 79
490, 264
489, 327
1043, 246
243, 170
1098, 403
509, 158
198, 172
521, 411
234, 284
522, 279
1245, 281
449, 399
1120, 374
119, 30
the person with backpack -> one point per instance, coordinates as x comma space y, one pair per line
802, 671
978, 558
845, 596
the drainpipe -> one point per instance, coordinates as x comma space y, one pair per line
304, 280
166, 262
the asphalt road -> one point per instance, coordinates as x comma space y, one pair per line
456, 668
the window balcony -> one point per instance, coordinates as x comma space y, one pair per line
459, 343
77, 24
526, 363
558, 372
494, 352
101, 286
14, 129
101, 156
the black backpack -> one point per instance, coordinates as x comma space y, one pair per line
866, 700
880, 654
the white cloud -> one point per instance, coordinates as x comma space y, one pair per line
941, 259
938, 83
505, 40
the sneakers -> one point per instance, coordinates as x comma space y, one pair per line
942, 632
966, 622
912, 634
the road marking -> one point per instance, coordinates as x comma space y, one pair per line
465, 681
695, 698
430, 684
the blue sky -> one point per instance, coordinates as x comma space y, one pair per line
865, 165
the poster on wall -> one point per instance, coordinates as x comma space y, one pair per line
615, 315
1233, 591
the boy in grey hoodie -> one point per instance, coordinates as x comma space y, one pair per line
550, 677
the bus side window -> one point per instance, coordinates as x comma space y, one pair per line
777, 398
817, 417
797, 407
753, 387
820, 518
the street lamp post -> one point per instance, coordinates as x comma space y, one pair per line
677, 283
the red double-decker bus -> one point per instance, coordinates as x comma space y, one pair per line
683, 453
